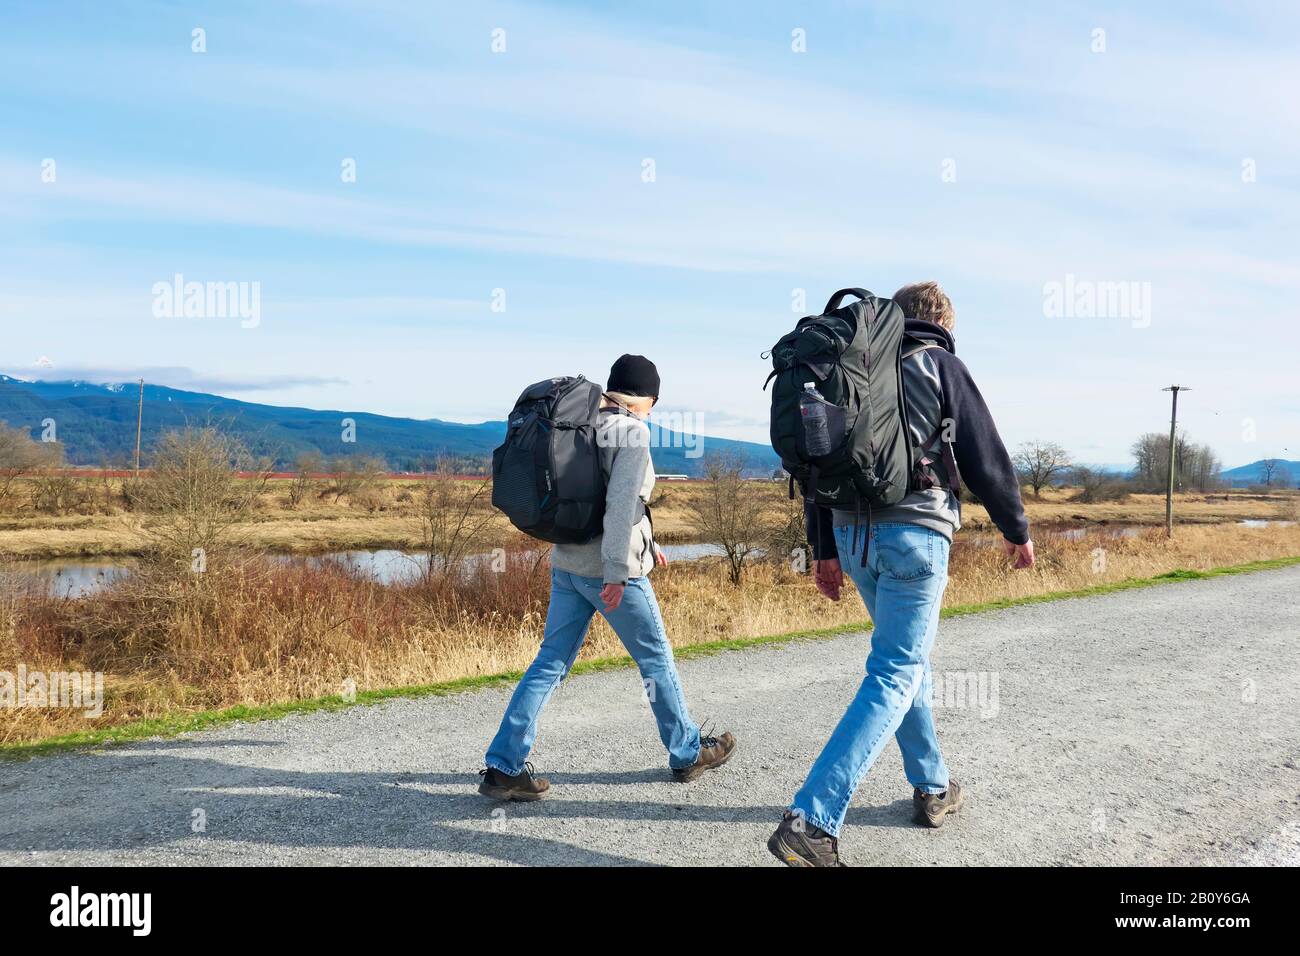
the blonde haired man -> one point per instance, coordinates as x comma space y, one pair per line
901, 579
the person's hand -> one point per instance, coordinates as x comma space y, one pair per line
612, 595
661, 559
829, 577
1023, 553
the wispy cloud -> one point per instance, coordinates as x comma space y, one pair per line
523, 172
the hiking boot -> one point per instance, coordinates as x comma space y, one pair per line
931, 808
714, 752
798, 843
522, 786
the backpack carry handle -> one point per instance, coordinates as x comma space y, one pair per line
838, 297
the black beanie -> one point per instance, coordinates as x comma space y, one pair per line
634, 375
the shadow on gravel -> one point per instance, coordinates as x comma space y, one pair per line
133, 800
146, 796
896, 814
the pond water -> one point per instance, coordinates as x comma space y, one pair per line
394, 566
75, 577
64, 577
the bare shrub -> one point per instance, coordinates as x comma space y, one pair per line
1098, 486
452, 514
305, 477
353, 475
56, 493
194, 498
729, 511
788, 535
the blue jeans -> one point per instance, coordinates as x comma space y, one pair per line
902, 586
638, 624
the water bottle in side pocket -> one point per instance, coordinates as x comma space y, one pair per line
816, 429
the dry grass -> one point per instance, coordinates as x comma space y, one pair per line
387, 517
1056, 507
255, 633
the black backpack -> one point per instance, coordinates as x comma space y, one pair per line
546, 476
852, 358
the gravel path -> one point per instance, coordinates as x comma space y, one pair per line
1157, 726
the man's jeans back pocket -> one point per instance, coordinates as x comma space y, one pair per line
904, 552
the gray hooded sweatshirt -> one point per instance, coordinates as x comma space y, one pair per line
624, 549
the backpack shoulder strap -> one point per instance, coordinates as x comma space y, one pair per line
614, 408
925, 475
918, 346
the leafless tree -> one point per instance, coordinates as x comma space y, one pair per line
20, 456
1038, 461
1196, 466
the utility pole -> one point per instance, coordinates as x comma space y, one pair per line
139, 419
1173, 445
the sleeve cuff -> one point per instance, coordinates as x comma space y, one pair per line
615, 573
1019, 537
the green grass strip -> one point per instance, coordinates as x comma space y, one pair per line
170, 726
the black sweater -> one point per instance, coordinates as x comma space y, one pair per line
982, 459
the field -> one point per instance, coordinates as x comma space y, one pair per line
386, 515
254, 633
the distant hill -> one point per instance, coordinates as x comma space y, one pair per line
96, 426
1253, 474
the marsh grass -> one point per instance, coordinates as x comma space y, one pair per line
255, 632
387, 515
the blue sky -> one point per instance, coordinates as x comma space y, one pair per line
988, 146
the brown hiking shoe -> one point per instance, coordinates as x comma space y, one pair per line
797, 843
931, 808
522, 786
714, 752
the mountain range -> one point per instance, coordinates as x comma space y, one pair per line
96, 425
1285, 473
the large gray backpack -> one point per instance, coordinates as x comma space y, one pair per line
546, 476
839, 421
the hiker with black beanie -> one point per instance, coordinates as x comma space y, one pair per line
608, 574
